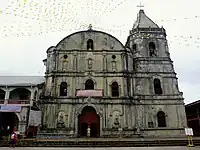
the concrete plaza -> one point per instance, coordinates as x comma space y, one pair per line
109, 148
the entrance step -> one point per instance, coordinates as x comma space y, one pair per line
101, 142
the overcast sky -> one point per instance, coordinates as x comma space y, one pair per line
29, 27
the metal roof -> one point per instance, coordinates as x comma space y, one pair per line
21, 80
193, 103
144, 22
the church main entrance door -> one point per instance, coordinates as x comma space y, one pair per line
89, 123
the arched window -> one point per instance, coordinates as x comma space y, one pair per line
63, 89
157, 87
134, 47
20, 93
115, 89
89, 85
152, 49
161, 119
90, 45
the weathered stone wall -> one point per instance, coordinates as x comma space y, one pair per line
159, 66
134, 71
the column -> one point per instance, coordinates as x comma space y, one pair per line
104, 62
104, 112
76, 124
139, 124
7, 95
124, 87
22, 127
126, 116
122, 62
22, 122
54, 115
101, 124
105, 88
75, 62
54, 91
129, 116
73, 86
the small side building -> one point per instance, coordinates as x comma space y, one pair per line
193, 116
18, 95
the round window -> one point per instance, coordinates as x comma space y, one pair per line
113, 56
65, 56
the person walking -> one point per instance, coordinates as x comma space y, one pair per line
13, 139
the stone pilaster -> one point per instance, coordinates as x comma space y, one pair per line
104, 62
139, 116
75, 62
7, 95
22, 127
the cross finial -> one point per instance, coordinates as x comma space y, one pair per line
140, 6
90, 27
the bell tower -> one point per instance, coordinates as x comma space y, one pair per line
154, 79
149, 49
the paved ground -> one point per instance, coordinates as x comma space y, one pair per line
110, 148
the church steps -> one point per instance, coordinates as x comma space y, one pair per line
98, 142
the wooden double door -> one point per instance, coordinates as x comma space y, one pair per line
89, 119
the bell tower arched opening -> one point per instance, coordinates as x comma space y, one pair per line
88, 123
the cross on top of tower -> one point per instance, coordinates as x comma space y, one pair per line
140, 6
90, 27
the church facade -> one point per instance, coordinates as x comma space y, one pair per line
97, 87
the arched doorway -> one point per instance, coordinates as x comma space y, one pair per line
8, 123
89, 118
161, 119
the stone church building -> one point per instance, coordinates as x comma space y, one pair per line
96, 86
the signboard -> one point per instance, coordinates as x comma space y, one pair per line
188, 131
10, 108
89, 93
35, 118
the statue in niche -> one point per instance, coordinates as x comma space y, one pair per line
150, 118
63, 44
137, 54
114, 65
149, 68
105, 42
88, 131
152, 52
138, 89
90, 46
89, 63
61, 118
116, 123
112, 44
65, 64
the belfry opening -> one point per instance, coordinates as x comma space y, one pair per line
88, 123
